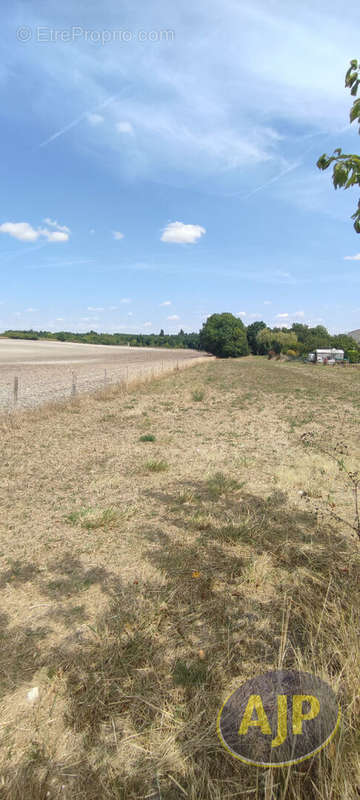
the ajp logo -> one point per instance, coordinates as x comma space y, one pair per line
279, 718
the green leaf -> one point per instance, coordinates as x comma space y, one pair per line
355, 110
340, 175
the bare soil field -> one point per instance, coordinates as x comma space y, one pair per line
46, 370
159, 547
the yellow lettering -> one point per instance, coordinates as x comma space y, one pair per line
282, 721
298, 715
254, 703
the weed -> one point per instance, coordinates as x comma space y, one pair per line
188, 676
219, 484
91, 518
147, 437
156, 466
198, 395
202, 522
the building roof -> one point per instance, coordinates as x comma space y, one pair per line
328, 350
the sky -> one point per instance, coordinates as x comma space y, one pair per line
158, 164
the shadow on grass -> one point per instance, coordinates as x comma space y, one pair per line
21, 655
143, 692
71, 578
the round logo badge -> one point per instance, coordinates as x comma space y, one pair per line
279, 718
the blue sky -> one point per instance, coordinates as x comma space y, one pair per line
159, 164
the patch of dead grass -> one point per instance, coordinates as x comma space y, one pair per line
136, 628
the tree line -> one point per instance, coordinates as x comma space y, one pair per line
178, 340
223, 335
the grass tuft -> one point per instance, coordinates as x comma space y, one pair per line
147, 437
91, 518
156, 466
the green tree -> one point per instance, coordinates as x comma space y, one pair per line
353, 356
251, 333
225, 336
344, 342
346, 169
279, 341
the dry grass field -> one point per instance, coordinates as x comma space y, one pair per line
159, 547
46, 369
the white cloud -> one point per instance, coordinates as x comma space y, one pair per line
130, 313
124, 127
125, 300
173, 316
54, 224
24, 232
180, 233
31, 310
92, 231
352, 258
147, 325
94, 119
55, 236
282, 316
166, 303
20, 230
59, 319
299, 314
241, 313
267, 302
118, 235
95, 308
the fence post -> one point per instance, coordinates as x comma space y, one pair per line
16, 389
73, 385
105, 378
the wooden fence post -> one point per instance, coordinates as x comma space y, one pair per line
73, 385
16, 389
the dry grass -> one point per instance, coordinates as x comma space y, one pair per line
137, 599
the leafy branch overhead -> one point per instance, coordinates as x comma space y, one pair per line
346, 170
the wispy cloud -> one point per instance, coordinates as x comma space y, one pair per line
124, 127
166, 303
118, 235
352, 258
52, 223
58, 264
173, 317
77, 120
94, 119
